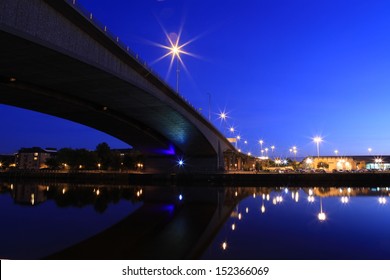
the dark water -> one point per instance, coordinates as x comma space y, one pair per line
37, 220
200, 222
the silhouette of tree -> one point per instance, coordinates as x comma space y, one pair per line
104, 155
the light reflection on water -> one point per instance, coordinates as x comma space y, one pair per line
250, 223
309, 223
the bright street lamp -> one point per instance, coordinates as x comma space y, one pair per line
175, 50
294, 148
223, 116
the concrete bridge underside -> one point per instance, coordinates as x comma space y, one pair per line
56, 61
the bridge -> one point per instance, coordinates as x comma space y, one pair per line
58, 60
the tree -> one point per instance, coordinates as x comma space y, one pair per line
86, 159
67, 156
76, 158
129, 162
52, 163
116, 161
104, 155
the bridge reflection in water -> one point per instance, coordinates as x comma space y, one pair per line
173, 222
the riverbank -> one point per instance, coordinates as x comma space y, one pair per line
380, 179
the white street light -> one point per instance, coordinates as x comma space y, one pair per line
175, 51
222, 116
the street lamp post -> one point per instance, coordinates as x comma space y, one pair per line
318, 140
177, 73
175, 51
209, 94
238, 139
294, 151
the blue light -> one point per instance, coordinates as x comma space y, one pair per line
180, 162
180, 197
169, 151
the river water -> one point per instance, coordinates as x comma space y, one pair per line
206, 222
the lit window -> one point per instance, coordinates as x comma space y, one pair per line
35, 154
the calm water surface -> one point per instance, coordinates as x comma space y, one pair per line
37, 220
310, 223
204, 222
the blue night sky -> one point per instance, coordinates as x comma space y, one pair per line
284, 71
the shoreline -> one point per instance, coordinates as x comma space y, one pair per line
378, 179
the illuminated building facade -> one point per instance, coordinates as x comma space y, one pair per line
33, 158
347, 163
